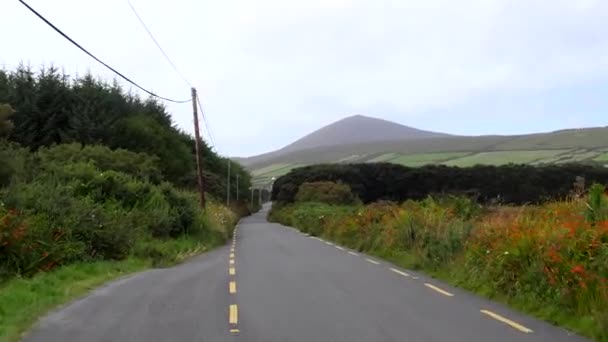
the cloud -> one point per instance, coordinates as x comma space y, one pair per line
270, 71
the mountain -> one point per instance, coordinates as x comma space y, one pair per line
358, 129
364, 139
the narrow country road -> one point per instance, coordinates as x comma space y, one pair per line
279, 285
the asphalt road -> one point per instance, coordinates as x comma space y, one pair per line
282, 286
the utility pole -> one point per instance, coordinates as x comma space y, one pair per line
228, 186
197, 147
251, 188
237, 187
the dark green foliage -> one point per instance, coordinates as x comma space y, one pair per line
325, 192
5, 123
52, 108
516, 184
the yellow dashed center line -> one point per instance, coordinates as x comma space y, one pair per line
232, 255
234, 331
232, 249
233, 317
443, 292
340, 248
231, 261
507, 321
373, 261
232, 287
232, 271
400, 272
353, 253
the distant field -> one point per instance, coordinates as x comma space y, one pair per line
264, 175
461, 159
579, 155
504, 157
268, 169
421, 159
383, 158
602, 157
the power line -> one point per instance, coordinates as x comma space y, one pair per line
95, 58
158, 45
205, 121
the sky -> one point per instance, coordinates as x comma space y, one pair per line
270, 71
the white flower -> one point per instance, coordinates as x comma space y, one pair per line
506, 253
488, 251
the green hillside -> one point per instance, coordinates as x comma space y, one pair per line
565, 146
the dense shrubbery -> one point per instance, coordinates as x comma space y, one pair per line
515, 184
66, 206
52, 108
325, 192
550, 259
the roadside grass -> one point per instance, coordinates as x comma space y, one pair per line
24, 300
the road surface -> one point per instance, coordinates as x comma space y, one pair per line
273, 283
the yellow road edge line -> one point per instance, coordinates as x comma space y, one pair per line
231, 261
400, 272
507, 321
233, 317
232, 255
340, 248
353, 253
373, 261
443, 292
232, 287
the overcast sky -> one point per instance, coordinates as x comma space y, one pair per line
270, 71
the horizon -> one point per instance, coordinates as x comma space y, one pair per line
270, 72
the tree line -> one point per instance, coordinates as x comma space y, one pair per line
46, 107
514, 184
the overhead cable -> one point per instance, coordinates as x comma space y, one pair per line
97, 59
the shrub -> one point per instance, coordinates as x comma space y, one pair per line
139, 165
325, 192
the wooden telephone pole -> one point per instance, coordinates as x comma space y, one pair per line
197, 146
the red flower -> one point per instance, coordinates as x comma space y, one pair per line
578, 269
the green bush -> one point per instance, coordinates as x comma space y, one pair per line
325, 192
139, 165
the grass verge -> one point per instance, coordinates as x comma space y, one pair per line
24, 300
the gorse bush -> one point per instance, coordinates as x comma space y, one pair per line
325, 192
